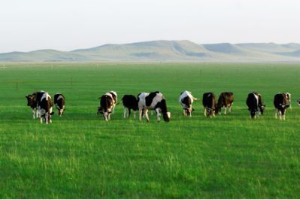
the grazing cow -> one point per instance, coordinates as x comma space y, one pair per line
129, 102
281, 104
225, 100
209, 102
45, 108
255, 104
153, 101
59, 102
186, 99
107, 104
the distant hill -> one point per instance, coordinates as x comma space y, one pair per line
166, 51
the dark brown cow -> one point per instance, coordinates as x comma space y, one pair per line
107, 104
209, 102
281, 104
225, 100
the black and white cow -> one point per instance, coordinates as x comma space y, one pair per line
130, 102
45, 108
153, 101
225, 100
255, 104
60, 102
107, 104
209, 102
281, 104
33, 101
186, 100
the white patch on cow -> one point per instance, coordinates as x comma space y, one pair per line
59, 97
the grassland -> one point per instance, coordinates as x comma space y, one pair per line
82, 156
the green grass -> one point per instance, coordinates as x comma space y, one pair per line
82, 156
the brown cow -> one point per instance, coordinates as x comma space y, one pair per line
225, 100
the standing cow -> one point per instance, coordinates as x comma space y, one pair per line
33, 101
59, 102
186, 100
255, 104
153, 101
45, 108
280, 104
130, 102
209, 103
107, 104
225, 100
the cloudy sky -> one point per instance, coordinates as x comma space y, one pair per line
72, 24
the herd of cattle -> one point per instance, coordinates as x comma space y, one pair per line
41, 104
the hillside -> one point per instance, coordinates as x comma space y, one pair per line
166, 51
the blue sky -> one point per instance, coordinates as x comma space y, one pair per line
72, 24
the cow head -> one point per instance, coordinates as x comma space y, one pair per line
100, 110
167, 116
188, 111
262, 109
210, 112
282, 108
218, 110
31, 100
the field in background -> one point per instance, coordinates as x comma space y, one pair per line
82, 156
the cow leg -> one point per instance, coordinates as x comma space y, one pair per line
129, 112
157, 114
134, 113
275, 113
146, 114
33, 113
124, 111
140, 114
225, 110
205, 111
229, 109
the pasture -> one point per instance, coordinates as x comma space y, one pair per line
81, 156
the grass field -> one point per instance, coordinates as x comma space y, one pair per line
81, 156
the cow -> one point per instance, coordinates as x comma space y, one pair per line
255, 104
225, 100
209, 103
281, 104
60, 102
107, 104
33, 101
130, 102
298, 101
186, 100
45, 108
153, 101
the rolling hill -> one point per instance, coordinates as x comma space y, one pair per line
166, 51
